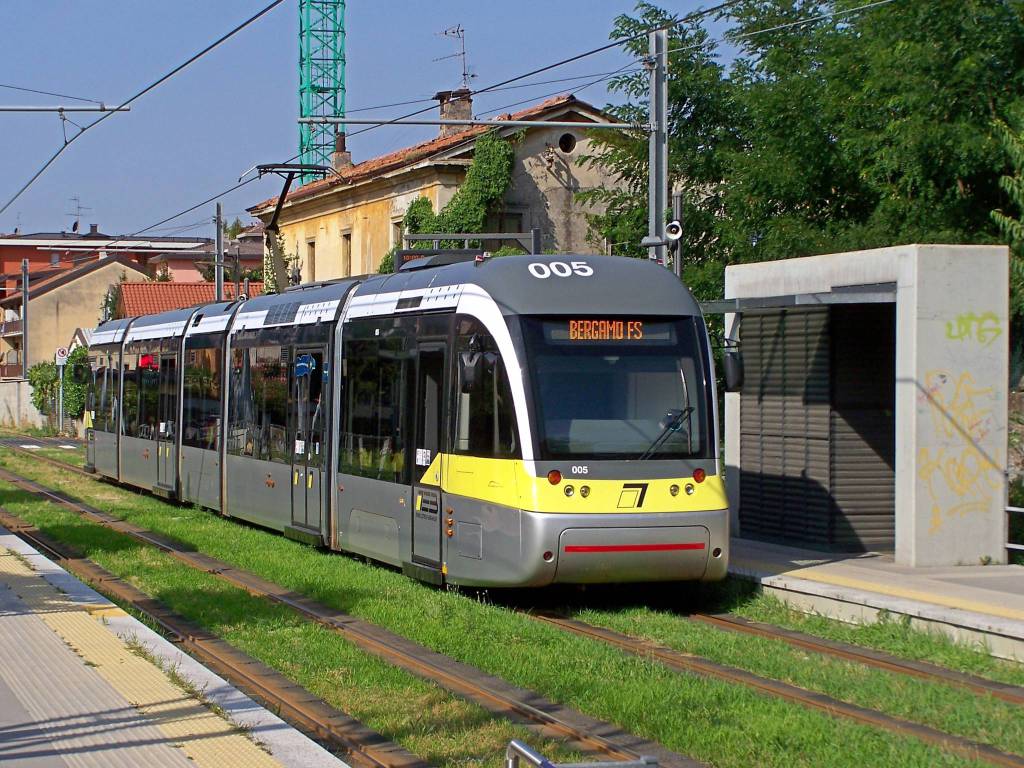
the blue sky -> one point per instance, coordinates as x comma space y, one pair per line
197, 133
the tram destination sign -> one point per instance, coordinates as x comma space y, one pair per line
609, 330
605, 330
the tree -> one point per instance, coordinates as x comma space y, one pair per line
856, 131
112, 298
45, 383
869, 129
702, 122
1011, 227
234, 229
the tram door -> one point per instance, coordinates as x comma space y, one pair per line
308, 417
167, 423
426, 475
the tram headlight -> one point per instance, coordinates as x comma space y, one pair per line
584, 491
673, 489
689, 489
569, 490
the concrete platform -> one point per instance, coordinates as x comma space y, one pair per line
82, 683
977, 605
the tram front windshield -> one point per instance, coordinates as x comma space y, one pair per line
619, 387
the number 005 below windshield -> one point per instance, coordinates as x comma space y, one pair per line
618, 387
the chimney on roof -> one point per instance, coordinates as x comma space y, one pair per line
94, 229
341, 158
455, 105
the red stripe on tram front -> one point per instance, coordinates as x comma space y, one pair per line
634, 547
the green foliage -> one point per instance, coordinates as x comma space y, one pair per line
484, 186
232, 230
1012, 229
860, 131
267, 273
112, 298
43, 379
387, 262
703, 116
207, 271
163, 275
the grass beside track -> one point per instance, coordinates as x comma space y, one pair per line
890, 635
941, 706
425, 719
713, 721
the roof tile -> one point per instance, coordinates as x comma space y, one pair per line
368, 168
152, 298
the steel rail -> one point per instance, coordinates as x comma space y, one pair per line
921, 670
362, 746
732, 623
493, 694
683, 662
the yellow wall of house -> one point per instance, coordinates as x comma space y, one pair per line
369, 219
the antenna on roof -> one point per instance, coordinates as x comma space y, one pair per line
459, 33
77, 213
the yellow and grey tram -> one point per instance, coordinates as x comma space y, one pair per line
516, 421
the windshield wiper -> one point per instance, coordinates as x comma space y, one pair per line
671, 423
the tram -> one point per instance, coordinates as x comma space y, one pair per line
513, 421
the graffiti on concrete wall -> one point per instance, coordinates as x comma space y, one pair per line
963, 476
969, 326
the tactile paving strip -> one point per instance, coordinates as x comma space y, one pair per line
207, 739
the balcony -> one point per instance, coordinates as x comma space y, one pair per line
10, 328
12, 371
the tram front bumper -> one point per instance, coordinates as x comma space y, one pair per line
603, 548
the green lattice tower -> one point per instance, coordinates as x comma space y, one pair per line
321, 76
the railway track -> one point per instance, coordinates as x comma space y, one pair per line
683, 662
361, 746
733, 623
671, 658
543, 716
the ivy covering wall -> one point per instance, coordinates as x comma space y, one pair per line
487, 180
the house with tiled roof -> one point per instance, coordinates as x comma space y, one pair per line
344, 224
149, 298
60, 302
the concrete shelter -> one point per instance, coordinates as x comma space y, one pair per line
874, 412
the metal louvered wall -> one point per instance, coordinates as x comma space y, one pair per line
816, 427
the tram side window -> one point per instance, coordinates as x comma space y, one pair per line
102, 395
130, 374
378, 378
258, 419
149, 395
486, 421
202, 399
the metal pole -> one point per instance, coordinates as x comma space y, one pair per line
536, 245
24, 318
677, 215
218, 267
658, 149
238, 268
60, 399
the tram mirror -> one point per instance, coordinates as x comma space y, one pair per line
79, 373
732, 368
471, 371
